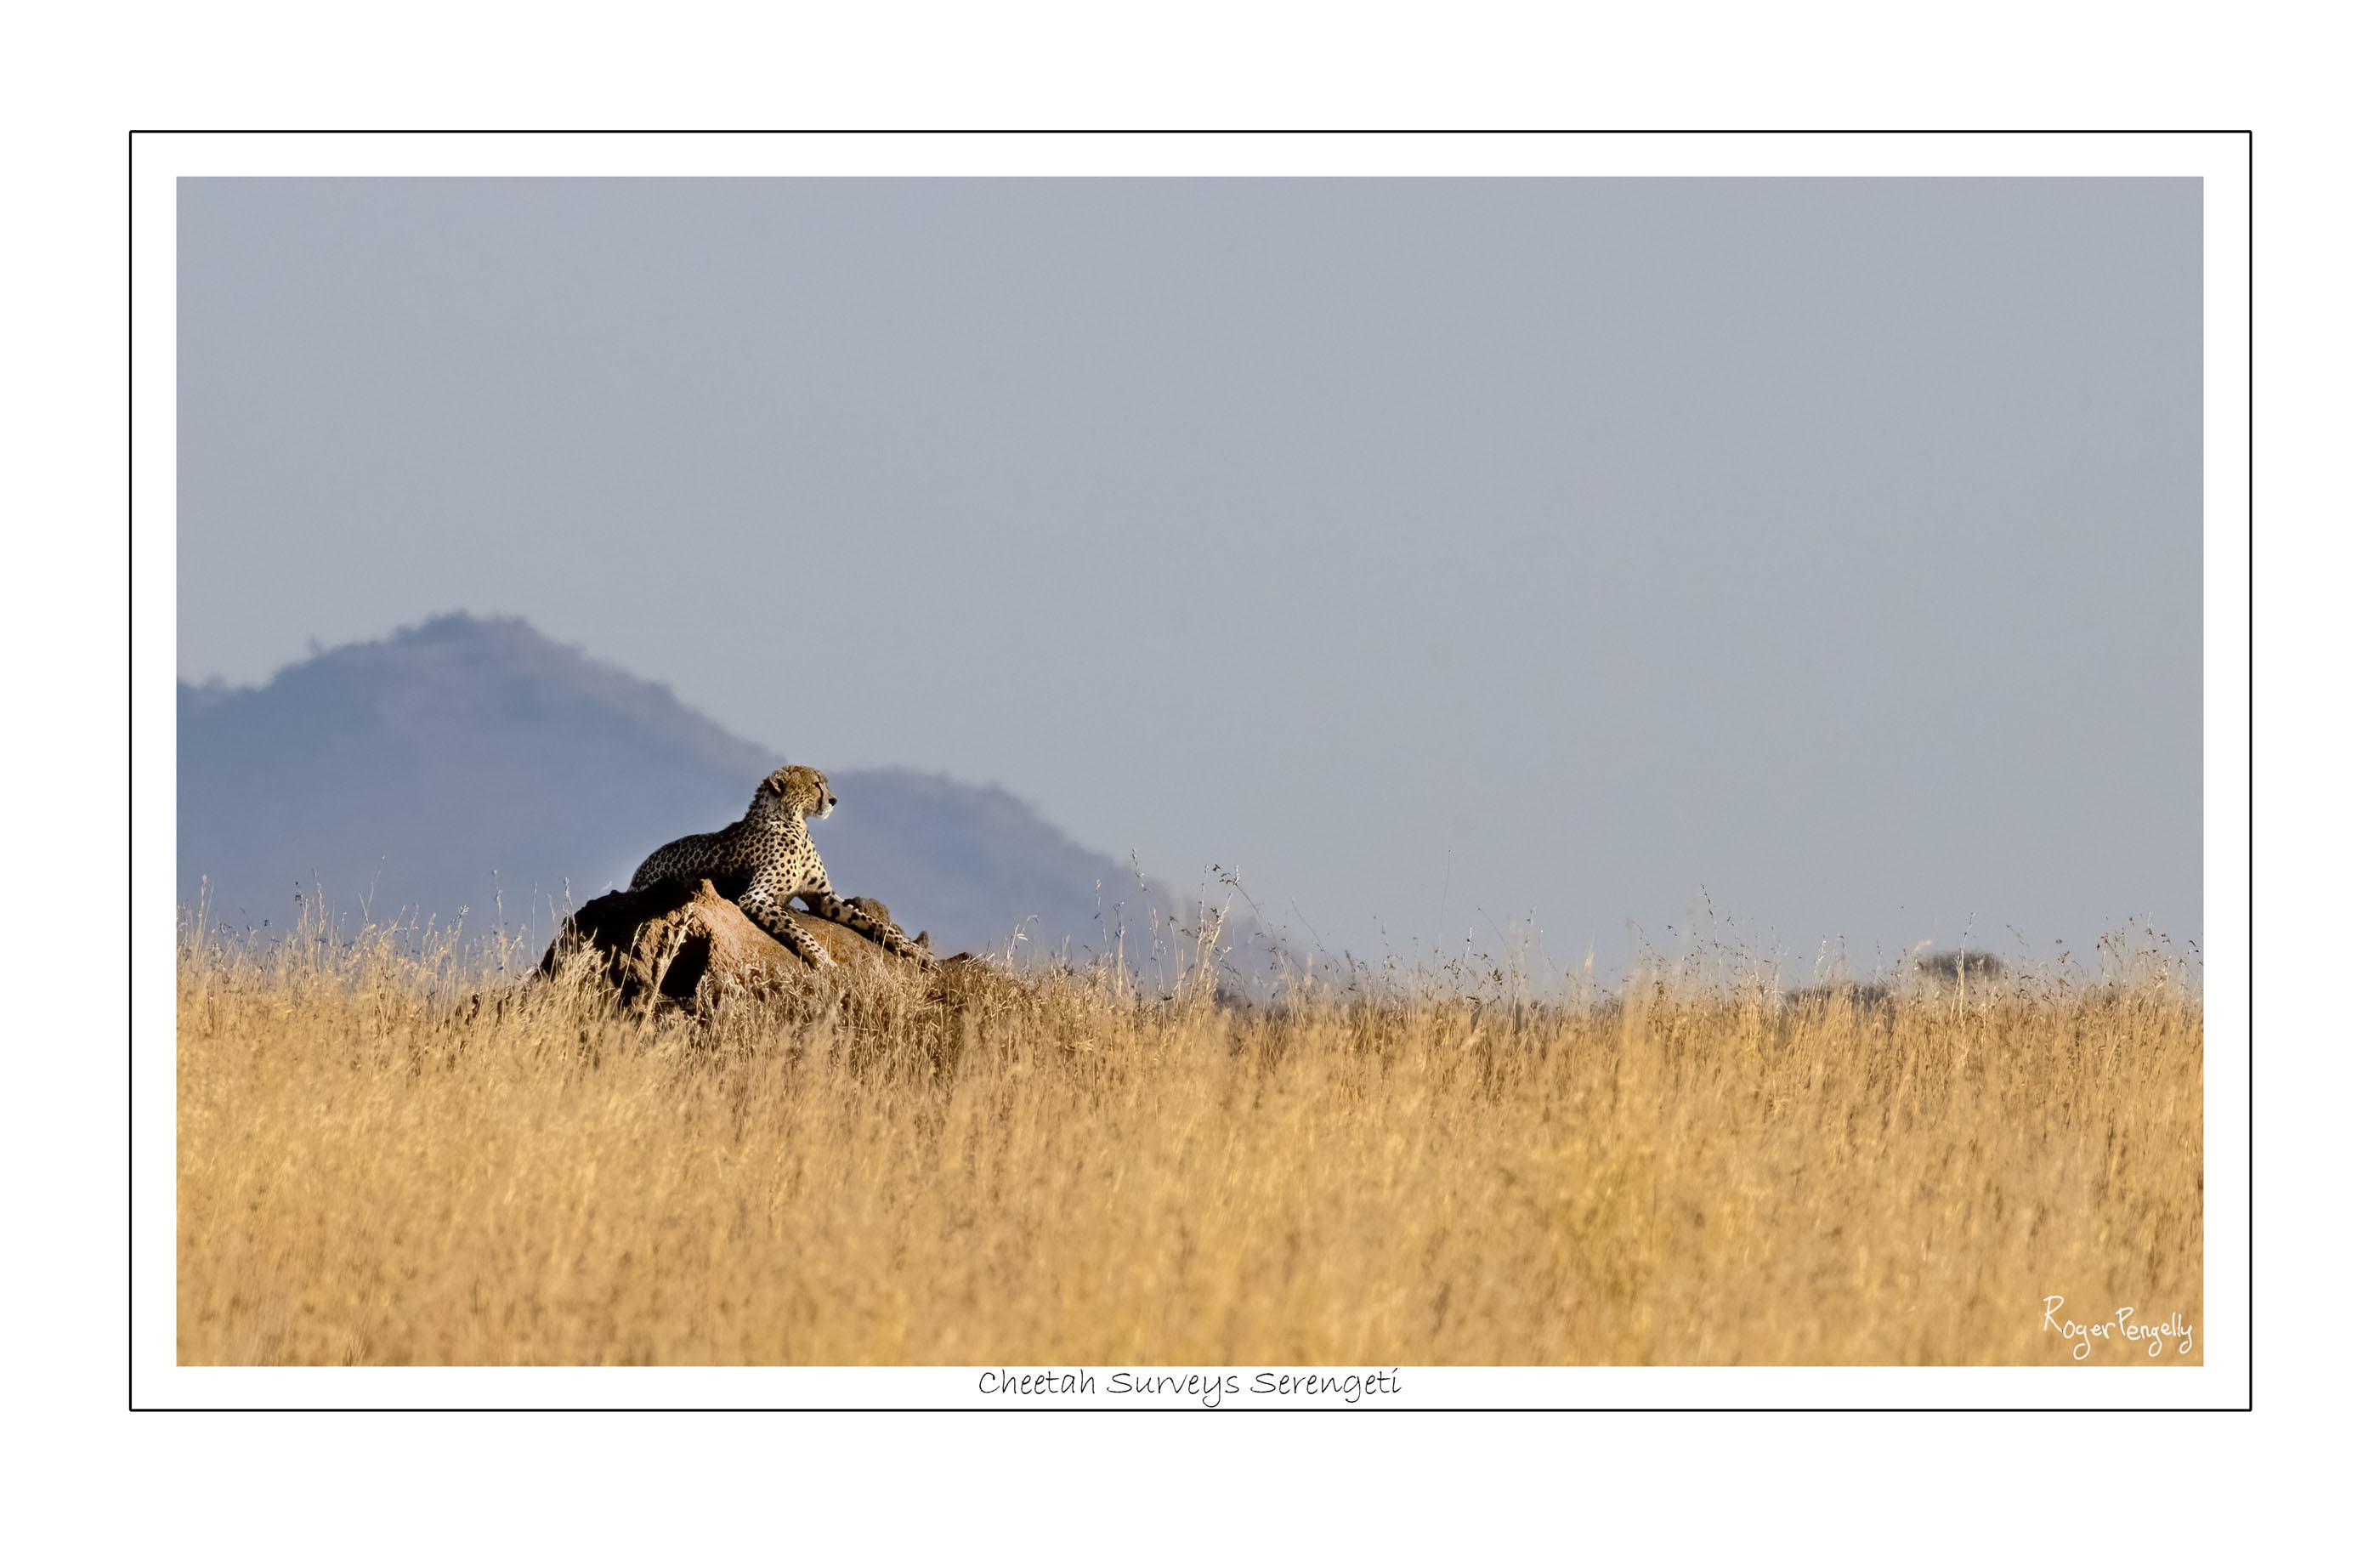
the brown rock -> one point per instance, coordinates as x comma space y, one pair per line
675, 943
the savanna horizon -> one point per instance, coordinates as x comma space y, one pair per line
1054, 1167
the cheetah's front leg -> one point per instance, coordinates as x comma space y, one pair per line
772, 916
883, 931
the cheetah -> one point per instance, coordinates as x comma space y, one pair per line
882, 913
767, 862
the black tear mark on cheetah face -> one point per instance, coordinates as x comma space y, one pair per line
798, 791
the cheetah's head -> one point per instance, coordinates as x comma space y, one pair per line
800, 791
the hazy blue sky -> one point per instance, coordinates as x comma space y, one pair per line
1435, 553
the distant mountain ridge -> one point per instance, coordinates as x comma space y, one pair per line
430, 769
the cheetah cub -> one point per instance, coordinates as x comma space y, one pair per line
767, 862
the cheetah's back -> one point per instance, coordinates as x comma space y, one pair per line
717, 855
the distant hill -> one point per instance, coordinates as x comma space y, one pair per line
425, 770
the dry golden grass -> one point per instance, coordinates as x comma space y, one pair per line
1048, 1170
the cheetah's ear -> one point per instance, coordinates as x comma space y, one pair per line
778, 782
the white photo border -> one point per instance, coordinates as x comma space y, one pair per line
2222, 159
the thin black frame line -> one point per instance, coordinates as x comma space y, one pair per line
1204, 133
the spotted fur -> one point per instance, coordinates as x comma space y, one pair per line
766, 860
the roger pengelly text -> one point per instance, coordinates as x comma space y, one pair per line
1207, 1388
